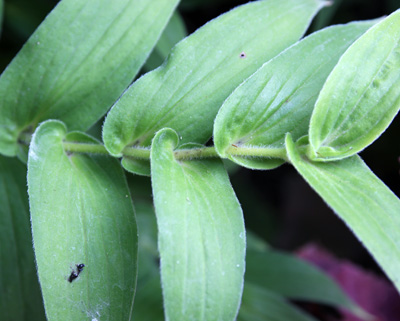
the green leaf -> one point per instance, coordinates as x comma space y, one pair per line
77, 63
136, 165
295, 279
201, 235
259, 304
361, 96
174, 32
280, 96
186, 92
19, 291
364, 203
81, 213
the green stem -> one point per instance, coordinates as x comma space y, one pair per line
196, 153
135, 152
183, 154
85, 148
263, 152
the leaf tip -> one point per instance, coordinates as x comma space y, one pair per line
167, 134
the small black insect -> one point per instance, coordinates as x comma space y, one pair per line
75, 273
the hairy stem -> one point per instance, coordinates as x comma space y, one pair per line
182, 154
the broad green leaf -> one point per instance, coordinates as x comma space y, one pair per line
201, 236
364, 203
259, 304
174, 32
295, 279
20, 297
77, 63
280, 96
361, 96
186, 92
81, 213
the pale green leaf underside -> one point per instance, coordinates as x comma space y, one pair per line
294, 279
201, 235
77, 63
361, 96
364, 203
81, 212
259, 304
19, 287
279, 98
186, 92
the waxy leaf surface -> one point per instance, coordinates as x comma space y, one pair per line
19, 287
186, 92
361, 96
201, 235
279, 98
81, 213
364, 203
77, 63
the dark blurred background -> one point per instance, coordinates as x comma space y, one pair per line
278, 205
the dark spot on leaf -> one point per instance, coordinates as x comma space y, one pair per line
242, 55
75, 272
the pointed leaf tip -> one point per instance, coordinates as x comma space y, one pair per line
361, 95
